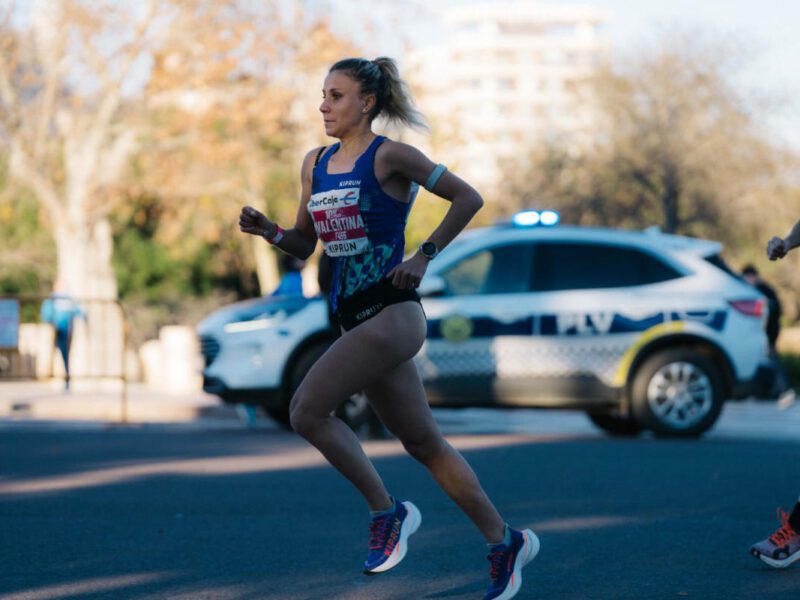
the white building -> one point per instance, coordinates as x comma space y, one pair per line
502, 77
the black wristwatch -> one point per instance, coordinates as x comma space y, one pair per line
428, 250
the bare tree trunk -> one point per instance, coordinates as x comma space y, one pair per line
266, 265
84, 259
670, 200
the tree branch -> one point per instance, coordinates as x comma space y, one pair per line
22, 168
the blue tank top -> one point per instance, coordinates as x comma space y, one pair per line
360, 226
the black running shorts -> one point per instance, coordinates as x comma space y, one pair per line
363, 305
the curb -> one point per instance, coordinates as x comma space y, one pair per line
109, 408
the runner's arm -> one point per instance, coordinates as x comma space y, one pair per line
792, 240
465, 201
301, 239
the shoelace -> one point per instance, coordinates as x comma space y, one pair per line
785, 533
377, 532
496, 560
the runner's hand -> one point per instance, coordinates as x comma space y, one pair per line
776, 248
408, 274
253, 221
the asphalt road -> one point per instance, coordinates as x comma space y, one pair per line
221, 512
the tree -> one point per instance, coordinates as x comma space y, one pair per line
86, 86
237, 134
62, 75
675, 144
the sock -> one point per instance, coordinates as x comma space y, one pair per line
506, 538
794, 516
382, 513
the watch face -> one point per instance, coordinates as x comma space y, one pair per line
428, 249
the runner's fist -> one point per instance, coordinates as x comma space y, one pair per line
253, 221
776, 248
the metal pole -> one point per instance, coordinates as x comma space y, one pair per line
124, 374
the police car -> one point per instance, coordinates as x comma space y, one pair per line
640, 329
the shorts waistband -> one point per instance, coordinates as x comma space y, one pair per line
365, 304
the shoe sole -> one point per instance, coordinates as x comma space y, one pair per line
410, 526
778, 564
530, 548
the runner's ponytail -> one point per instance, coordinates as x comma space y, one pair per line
392, 97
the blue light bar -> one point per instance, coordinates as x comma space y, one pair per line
530, 218
526, 218
549, 218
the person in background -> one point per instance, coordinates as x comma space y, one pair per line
781, 387
751, 276
291, 284
60, 310
782, 548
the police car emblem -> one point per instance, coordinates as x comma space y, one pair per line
456, 328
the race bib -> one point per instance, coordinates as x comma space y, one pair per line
338, 222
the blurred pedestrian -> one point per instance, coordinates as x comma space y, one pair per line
291, 283
356, 196
60, 310
781, 387
782, 548
773, 326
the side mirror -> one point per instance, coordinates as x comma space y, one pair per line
432, 286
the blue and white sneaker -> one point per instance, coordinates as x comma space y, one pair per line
506, 563
388, 537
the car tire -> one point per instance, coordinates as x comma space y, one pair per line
677, 393
616, 425
354, 411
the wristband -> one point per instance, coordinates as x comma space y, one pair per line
275, 238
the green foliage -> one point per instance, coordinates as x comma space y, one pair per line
28, 251
162, 281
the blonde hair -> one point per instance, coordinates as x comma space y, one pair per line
392, 98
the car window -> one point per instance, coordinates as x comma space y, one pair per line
579, 266
497, 270
720, 263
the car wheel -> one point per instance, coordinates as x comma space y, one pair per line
677, 393
354, 411
616, 425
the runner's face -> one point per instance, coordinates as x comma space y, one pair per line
342, 106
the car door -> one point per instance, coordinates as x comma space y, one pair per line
594, 301
486, 306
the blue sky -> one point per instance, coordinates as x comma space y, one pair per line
766, 29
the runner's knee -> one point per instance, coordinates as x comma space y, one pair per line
303, 420
424, 449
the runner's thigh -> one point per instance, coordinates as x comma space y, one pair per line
362, 356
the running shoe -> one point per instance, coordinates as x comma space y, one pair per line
388, 538
506, 563
787, 399
782, 548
